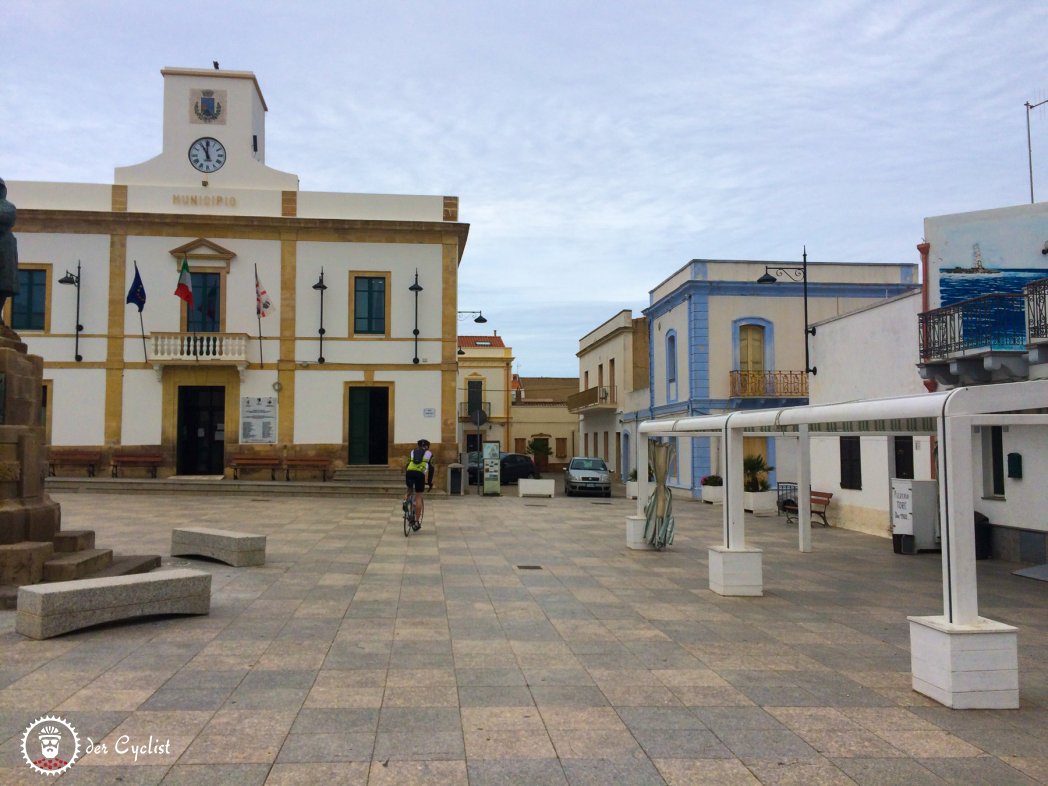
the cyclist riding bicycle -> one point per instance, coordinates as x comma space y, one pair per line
419, 470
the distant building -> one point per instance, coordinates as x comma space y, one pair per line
720, 341
612, 384
541, 417
354, 358
485, 368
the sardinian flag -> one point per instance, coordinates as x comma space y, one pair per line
262, 302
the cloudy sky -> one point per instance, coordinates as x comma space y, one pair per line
595, 146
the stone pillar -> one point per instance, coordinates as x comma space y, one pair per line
26, 512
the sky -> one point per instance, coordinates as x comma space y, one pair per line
595, 147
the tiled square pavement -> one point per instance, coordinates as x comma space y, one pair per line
359, 656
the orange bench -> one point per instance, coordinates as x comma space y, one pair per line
74, 458
252, 461
148, 461
322, 464
820, 500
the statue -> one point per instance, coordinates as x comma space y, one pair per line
8, 251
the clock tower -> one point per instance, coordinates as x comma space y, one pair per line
214, 135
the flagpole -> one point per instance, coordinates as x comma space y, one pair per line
258, 314
141, 324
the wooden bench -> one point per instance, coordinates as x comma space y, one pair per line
46, 610
239, 549
322, 464
820, 500
74, 458
148, 461
252, 461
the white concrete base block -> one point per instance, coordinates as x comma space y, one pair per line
635, 533
736, 571
529, 487
972, 666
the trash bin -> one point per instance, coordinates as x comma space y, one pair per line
455, 485
983, 537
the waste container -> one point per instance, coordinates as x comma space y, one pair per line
983, 537
455, 485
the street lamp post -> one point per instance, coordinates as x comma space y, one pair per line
772, 275
416, 288
1029, 143
479, 319
320, 286
69, 278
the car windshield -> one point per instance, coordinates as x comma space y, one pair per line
592, 464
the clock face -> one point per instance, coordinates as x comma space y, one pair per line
207, 154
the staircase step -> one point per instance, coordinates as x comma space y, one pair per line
77, 565
71, 540
126, 564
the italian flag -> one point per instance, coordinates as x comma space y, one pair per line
184, 289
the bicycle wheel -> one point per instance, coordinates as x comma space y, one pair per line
409, 514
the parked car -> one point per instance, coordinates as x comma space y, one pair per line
512, 467
584, 474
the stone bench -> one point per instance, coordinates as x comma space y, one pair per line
529, 487
239, 549
46, 610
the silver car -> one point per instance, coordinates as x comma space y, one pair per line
587, 474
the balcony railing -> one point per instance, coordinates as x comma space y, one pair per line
225, 348
466, 408
769, 384
987, 323
600, 397
1037, 311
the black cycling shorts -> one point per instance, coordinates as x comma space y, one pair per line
415, 479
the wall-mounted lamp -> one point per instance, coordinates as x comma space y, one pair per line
480, 320
461, 351
416, 288
69, 278
772, 275
320, 286
1045, 249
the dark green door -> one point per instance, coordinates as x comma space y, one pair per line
201, 430
368, 426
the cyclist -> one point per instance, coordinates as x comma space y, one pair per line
419, 471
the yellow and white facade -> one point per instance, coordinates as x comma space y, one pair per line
203, 383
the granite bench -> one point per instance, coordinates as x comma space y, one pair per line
239, 549
51, 609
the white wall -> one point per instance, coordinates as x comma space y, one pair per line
77, 406
141, 408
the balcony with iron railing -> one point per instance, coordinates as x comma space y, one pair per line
1037, 312
602, 397
213, 349
988, 323
467, 408
769, 384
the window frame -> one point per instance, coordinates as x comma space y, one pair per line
671, 365
9, 306
850, 447
387, 304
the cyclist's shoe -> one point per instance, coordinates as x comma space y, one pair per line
416, 526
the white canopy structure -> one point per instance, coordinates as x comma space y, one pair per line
958, 658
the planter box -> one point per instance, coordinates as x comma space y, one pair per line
760, 503
529, 487
713, 494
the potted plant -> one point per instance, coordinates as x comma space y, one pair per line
632, 486
712, 489
757, 495
540, 449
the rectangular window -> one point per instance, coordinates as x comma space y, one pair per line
851, 463
520, 445
997, 460
28, 307
206, 314
904, 457
562, 447
369, 305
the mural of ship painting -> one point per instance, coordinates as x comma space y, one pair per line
977, 268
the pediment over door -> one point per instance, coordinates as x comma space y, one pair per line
204, 253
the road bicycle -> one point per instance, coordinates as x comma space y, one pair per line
412, 519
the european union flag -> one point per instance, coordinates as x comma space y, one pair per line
137, 293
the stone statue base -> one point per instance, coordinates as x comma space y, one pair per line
28, 517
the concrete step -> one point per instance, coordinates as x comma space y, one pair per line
77, 565
70, 540
140, 486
